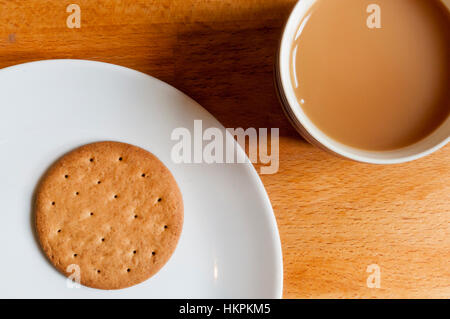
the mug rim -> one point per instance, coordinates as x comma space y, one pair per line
310, 131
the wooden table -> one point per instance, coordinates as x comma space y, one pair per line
335, 216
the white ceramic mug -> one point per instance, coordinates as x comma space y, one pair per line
298, 118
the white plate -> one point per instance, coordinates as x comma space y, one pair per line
229, 248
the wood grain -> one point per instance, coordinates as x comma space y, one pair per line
335, 216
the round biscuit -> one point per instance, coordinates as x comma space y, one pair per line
111, 209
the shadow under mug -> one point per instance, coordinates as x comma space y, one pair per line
293, 110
